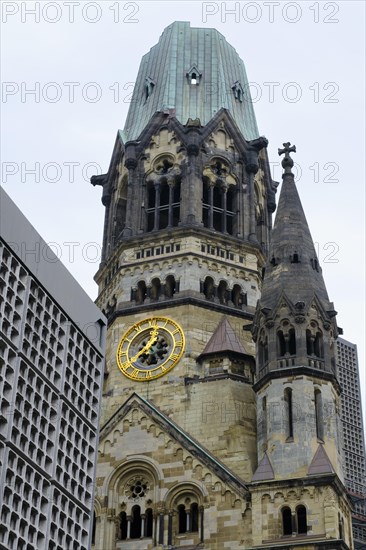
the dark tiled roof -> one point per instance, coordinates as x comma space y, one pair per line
223, 339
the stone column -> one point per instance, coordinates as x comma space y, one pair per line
171, 199
129, 518
143, 517
202, 533
252, 169
161, 528
108, 533
210, 208
224, 188
170, 528
157, 205
131, 164
188, 522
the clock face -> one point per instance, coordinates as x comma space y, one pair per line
150, 348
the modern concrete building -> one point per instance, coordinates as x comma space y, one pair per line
52, 339
353, 436
220, 361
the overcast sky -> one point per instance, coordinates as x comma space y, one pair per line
306, 66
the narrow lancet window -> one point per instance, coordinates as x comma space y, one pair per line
302, 527
319, 415
289, 413
286, 521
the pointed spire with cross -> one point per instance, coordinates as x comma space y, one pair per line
287, 162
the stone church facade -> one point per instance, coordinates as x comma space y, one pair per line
220, 414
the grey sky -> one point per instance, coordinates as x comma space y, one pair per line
305, 62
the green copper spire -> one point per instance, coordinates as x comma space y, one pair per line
194, 73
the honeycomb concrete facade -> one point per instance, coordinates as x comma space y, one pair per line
353, 436
52, 358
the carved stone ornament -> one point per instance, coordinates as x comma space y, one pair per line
299, 319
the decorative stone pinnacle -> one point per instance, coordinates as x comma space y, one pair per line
287, 162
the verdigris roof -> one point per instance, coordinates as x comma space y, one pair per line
164, 81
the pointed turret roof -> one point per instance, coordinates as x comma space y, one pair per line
223, 340
293, 268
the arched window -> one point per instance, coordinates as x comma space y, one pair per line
281, 344
155, 289
194, 517
209, 288
123, 525
289, 413
163, 200
182, 519
319, 414
318, 345
135, 522
286, 521
222, 292
286, 343
141, 292
302, 527
218, 201
148, 522
239, 298
291, 342
170, 286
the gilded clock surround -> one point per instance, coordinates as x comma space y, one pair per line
150, 348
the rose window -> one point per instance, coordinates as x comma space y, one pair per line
137, 487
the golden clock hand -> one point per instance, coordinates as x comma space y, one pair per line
147, 346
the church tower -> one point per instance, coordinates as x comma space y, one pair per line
188, 216
299, 476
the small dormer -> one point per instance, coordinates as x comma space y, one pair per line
149, 87
194, 76
238, 91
